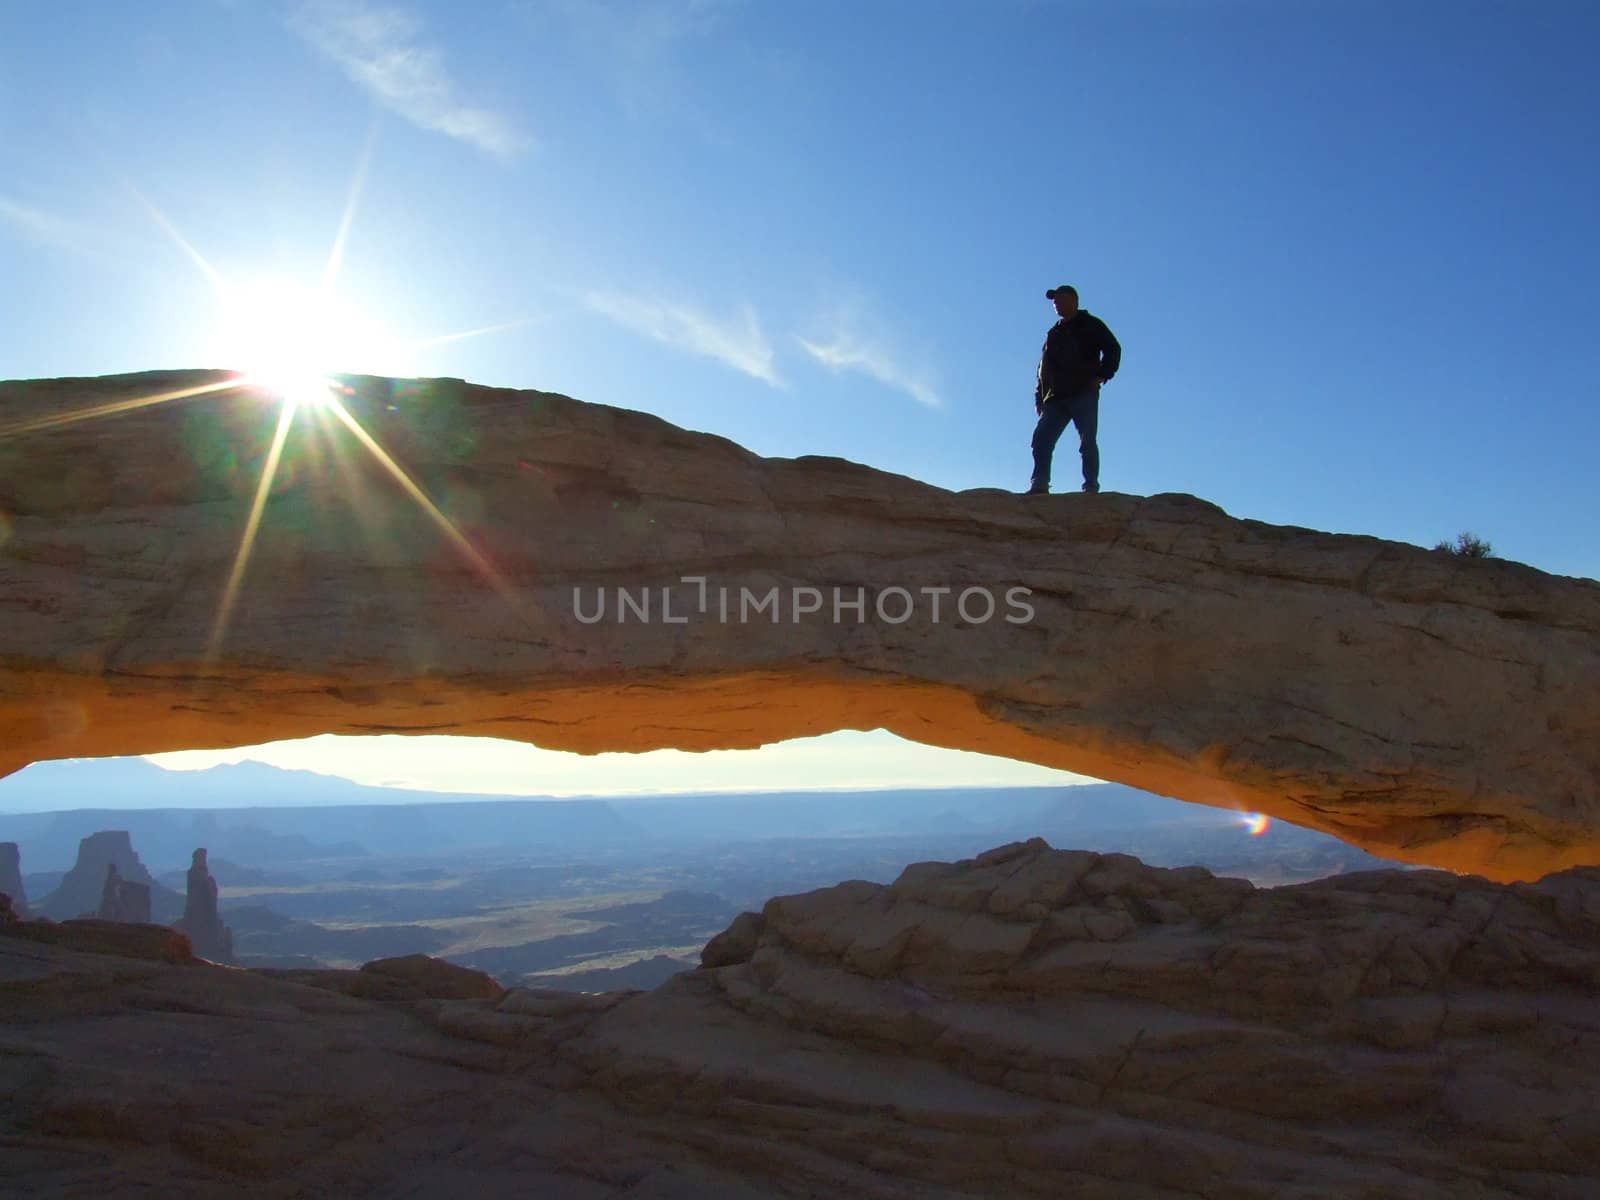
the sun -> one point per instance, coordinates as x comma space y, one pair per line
1255, 824
291, 340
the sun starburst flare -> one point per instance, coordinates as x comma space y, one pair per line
247, 541
291, 343
446, 526
113, 408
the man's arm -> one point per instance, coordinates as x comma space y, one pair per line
1039, 386
1110, 352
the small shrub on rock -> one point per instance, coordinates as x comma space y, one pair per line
1467, 545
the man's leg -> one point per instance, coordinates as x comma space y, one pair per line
1046, 434
1086, 416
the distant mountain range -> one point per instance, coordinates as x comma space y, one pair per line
262, 815
135, 783
265, 817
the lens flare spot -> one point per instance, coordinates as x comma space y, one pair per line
1255, 824
64, 718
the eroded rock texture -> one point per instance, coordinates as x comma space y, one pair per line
1028, 1023
1034, 1017
1425, 707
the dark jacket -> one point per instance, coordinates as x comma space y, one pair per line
1076, 353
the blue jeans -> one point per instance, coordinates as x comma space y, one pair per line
1082, 410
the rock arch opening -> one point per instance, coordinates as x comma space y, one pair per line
1426, 708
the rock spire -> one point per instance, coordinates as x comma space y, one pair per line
11, 878
207, 934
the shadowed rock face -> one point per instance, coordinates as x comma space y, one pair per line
1424, 707
123, 901
91, 935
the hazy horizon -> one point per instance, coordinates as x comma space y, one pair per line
36, 788
845, 760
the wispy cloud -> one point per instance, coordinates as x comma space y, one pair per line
739, 342
848, 352
637, 46
381, 49
40, 227
52, 230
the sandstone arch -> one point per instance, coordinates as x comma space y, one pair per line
1424, 707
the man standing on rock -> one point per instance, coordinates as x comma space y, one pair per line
1079, 355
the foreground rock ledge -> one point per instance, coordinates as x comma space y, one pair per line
1029, 1023
1424, 707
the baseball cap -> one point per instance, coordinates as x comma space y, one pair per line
1052, 293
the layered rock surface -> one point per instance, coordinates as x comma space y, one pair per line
1425, 707
1034, 1018
1029, 1023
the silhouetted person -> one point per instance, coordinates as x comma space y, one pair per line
1079, 355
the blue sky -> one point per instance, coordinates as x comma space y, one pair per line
1349, 247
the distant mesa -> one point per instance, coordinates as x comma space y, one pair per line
83, 890
127, 894
168, 814
1425, 707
